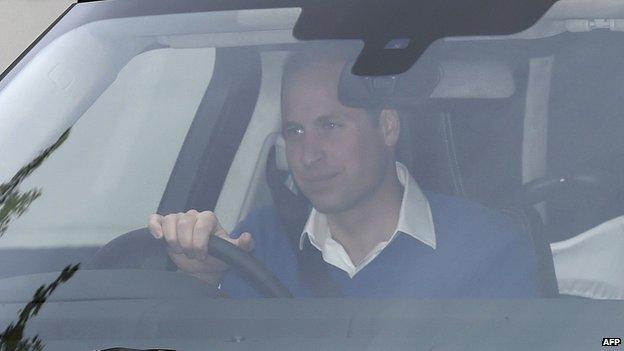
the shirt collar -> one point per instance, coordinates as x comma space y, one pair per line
415, 218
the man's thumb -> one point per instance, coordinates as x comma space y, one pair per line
245, 242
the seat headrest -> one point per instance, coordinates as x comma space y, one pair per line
428, 81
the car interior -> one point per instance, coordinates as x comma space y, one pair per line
529, 127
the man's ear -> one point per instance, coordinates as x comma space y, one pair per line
390, 126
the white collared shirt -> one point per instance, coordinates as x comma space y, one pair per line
415, 220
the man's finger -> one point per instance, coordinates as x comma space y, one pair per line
204, 227
245, 242
186, 224
169, 225
155, 225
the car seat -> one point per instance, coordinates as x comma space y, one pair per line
448, 153
585, 263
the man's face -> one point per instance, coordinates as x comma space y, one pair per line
336, 154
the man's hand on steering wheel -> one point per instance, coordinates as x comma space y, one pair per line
187, 235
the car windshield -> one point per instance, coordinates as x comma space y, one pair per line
486, 177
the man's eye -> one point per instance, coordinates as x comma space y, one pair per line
293, 131
330, 125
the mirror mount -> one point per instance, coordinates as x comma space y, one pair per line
415, 24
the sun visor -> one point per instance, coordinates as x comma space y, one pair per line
449, 79
384, 91
474, 80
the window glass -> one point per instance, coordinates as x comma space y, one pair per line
111, 172
500, 142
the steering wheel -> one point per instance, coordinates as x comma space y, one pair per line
248, 266
543, 189
139, 250
591, 193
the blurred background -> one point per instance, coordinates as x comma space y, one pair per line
21, 22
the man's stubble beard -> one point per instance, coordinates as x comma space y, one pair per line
348, 202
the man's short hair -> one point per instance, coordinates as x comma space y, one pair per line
301, 58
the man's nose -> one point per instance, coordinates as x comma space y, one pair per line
312, 150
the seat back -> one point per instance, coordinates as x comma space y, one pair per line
585, 131
591, 264
478, 158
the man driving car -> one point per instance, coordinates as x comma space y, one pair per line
377, 233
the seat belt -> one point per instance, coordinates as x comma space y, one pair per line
293, 211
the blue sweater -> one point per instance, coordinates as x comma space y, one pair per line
479, 253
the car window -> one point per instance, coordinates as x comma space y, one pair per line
475, 125
131, 135
491, 169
